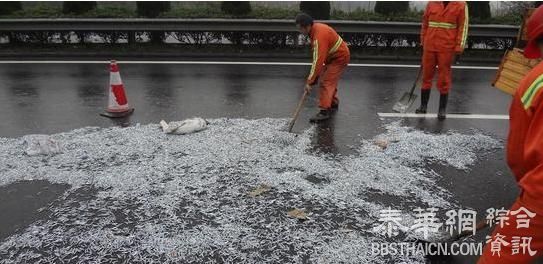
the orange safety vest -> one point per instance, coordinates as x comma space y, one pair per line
525, 141
326, 45
444, 29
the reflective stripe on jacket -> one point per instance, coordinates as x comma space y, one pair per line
445, 28
326, 45
525, 141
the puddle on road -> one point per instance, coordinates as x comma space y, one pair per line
166, 198
22, 203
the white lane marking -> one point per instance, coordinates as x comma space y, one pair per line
454, 116
237, 63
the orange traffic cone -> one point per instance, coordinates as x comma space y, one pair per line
117, 105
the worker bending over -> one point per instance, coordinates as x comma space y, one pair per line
524, 243
330, 58
443, 35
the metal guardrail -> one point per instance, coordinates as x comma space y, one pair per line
232, 25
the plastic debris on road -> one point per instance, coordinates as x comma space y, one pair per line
141, 196
41, 145
186, 126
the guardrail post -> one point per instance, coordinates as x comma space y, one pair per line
12, 38
132, 37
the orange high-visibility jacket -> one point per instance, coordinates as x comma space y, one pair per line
327, 45
444, 29
525, 141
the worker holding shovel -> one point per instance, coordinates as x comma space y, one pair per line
330, 58
443, 36
521, 239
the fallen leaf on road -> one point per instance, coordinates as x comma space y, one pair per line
259, 190
297, 213
382, 143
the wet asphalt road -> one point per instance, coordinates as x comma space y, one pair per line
51, 98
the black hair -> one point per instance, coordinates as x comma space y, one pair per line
304, 20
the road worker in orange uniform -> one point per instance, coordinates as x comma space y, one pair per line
330, 58
443, 35
523, 244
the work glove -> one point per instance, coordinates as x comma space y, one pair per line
308, 88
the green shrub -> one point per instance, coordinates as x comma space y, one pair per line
200, 11
391, 7
361, 15
77, 7
272, 13
237, 8
316, 9
212, 11
152, 9
110, 12
40, 10
9, 7
479, 9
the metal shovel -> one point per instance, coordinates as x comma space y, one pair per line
408, 97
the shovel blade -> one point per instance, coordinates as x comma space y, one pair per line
404, 103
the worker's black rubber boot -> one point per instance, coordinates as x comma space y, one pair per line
424, 97
335, 106
322, 115
442, 114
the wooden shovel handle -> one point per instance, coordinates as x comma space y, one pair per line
419, 77
297, 111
